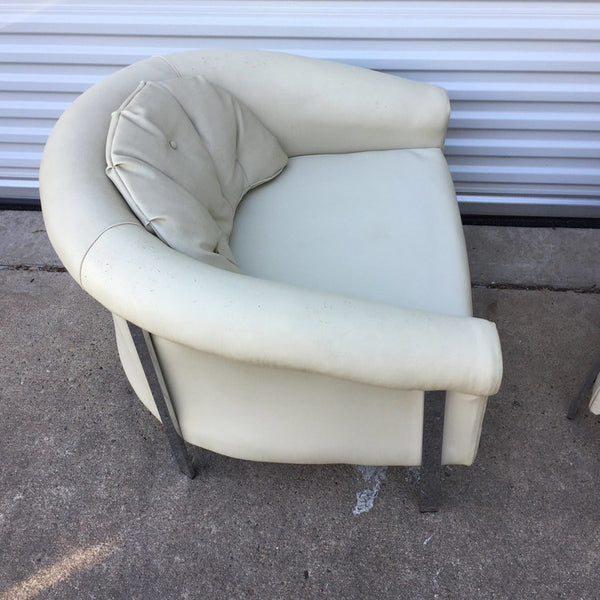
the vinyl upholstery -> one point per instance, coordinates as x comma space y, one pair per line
314, 370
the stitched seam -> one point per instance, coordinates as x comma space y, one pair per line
96, 239
173, 67
143, 216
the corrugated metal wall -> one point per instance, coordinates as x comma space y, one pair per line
523, 77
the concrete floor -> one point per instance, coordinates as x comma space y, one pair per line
92, 506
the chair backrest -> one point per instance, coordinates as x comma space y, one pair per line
321, 107
311, 106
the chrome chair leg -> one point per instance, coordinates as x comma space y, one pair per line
431, 462
160, 393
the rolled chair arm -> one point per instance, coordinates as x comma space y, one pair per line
138, 277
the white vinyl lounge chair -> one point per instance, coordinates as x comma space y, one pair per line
279, 242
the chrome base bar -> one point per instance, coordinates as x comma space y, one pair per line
431, 462
160, 393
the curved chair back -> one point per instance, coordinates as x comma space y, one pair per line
291, 95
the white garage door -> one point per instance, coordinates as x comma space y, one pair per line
523, 77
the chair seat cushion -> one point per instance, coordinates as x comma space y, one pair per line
183, 152
380, 225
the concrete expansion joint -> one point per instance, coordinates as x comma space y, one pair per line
22, 267
593, 289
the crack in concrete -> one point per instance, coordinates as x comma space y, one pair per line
522, 287
45, 268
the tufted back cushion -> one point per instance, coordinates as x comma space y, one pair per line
183, 152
